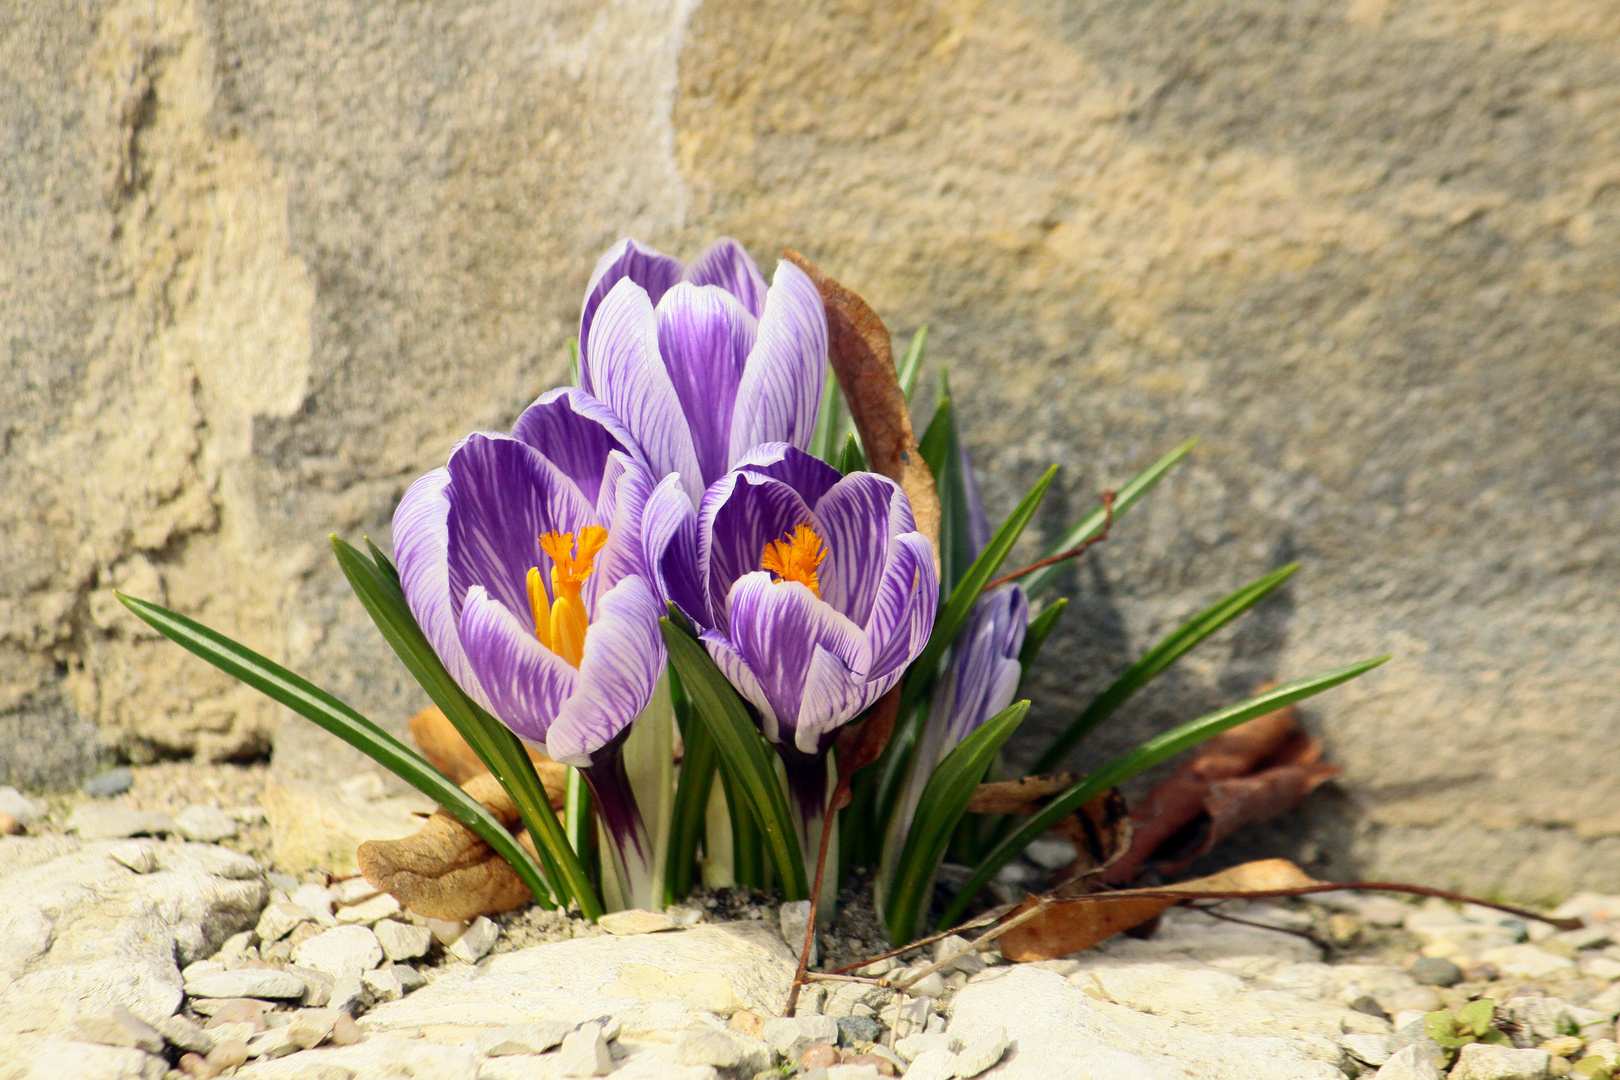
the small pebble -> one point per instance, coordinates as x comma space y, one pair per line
478, 939
196, 1065
14, 804
369, 911
186, 1034
793, 919
345, 1032
248, 983
402, 941
231, 1011
748, 1023
977, 1056
858, 1029
636, 921
317, 901
1418, 998
352, 890
1050, 852
534, 1038
818, 1056
1433, 971
311, 1027
110, 783
227, 1055
205, 824
1368, 1005
585, 1052
279, 918
9, 826
1343, 929
120, 1027
932, 1065
341, 951
883, 1065
1482, 973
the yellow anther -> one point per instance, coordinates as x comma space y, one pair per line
796, 558
561, 624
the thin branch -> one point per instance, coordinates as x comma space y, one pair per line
829, 822
1309, 935
1074, 552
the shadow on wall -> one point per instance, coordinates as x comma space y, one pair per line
1093, 646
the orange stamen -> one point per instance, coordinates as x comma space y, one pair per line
796, 558
562, 623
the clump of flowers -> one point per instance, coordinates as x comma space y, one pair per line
681, 579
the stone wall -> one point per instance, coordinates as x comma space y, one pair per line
264, 262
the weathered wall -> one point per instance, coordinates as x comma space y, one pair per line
265, 261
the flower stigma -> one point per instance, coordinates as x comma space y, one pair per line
560, 624
796, 558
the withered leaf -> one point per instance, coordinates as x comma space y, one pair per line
1050, 927
1022, 796
1241, 777
862, 743
448, 752
444, 871
864, 360
1101, 834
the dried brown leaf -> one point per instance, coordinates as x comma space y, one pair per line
864, 360
1019, 796
1046, 928
1241, 777
1101, 834
448, 752
445, 871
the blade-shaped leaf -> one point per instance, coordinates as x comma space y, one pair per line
911, 363
1144, 757
377, 585
832, 422
573, 360
699, 760
743, 753
1157, 659
941, 448
955, 610
577, 816
1040, 628
1140, 484
853, 459
944, 801
313, 703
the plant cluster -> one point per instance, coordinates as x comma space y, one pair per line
679, 577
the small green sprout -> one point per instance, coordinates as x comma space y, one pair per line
1469, 1024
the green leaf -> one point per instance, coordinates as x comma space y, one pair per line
1040, 628
852, 459
911, 363
1139, 760
1476, 1016
573, 360
953, 613
1157, 659
743, 753
577, 815
832, 422
377, 586
944, 800
313, 703
941, 448
699, 761
1041, 580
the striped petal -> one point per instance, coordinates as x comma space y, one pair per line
704, 337
503, 497
670, 538
630, 379
805, 473
576, 433
626, 486
903, 611
624, 654
738, 517
526, 682
857, 518
629, 259
780, 393
421, 541
726, 264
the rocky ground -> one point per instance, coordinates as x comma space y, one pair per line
143, 933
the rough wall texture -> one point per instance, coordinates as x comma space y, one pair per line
263, 262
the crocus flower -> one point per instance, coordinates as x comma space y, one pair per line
522, 561
980, 681
703, 362
813, 592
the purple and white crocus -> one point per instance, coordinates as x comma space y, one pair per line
813, 592
703, 362
522, 561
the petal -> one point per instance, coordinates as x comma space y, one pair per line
503, 497
740, 515
576, 432
654, 271
984, 670
807, 474
903, 612
626, 486
527, 682
858, 518
669, 529
704, 336
630, 379
778, 629
726, 264
422, 553
833, 696
624, 655
780, 393
741, 676
978, 524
